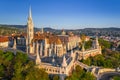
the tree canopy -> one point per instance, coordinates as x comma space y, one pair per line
88, 44
109, 59
80, 74
19, 67
116, 78
105, 44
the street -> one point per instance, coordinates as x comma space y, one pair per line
108, 75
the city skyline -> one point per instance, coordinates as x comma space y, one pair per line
59, 14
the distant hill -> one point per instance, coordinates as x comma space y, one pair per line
24, 27
51, 29
110, 28
88, 31
13, 26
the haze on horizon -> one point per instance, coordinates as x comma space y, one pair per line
58, 14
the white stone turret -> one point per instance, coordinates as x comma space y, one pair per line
30, 33
64, 63
38, 60
14, 45
55, 49
45, 47
41, 50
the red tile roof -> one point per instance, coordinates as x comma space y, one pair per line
4, 39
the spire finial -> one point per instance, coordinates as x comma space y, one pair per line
30, 12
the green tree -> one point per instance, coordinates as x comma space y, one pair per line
116, 78
80, 74
83, 37
19, 67
2, 71
88, 44
107, 60
105, 44
37, 74
21, 57
87, 61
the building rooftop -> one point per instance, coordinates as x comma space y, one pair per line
4, 39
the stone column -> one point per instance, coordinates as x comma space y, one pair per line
34, 47
41, 50
27, 46
45, 47
54, 48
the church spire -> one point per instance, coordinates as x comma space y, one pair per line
30, 12
30, 33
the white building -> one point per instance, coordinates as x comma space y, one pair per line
4, 41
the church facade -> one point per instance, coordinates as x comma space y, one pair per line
54, 53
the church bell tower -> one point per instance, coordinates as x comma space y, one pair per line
30, 33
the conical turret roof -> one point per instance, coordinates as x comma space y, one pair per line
64, 63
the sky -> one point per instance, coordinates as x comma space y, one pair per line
62, 14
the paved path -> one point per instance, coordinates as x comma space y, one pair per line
108, 75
